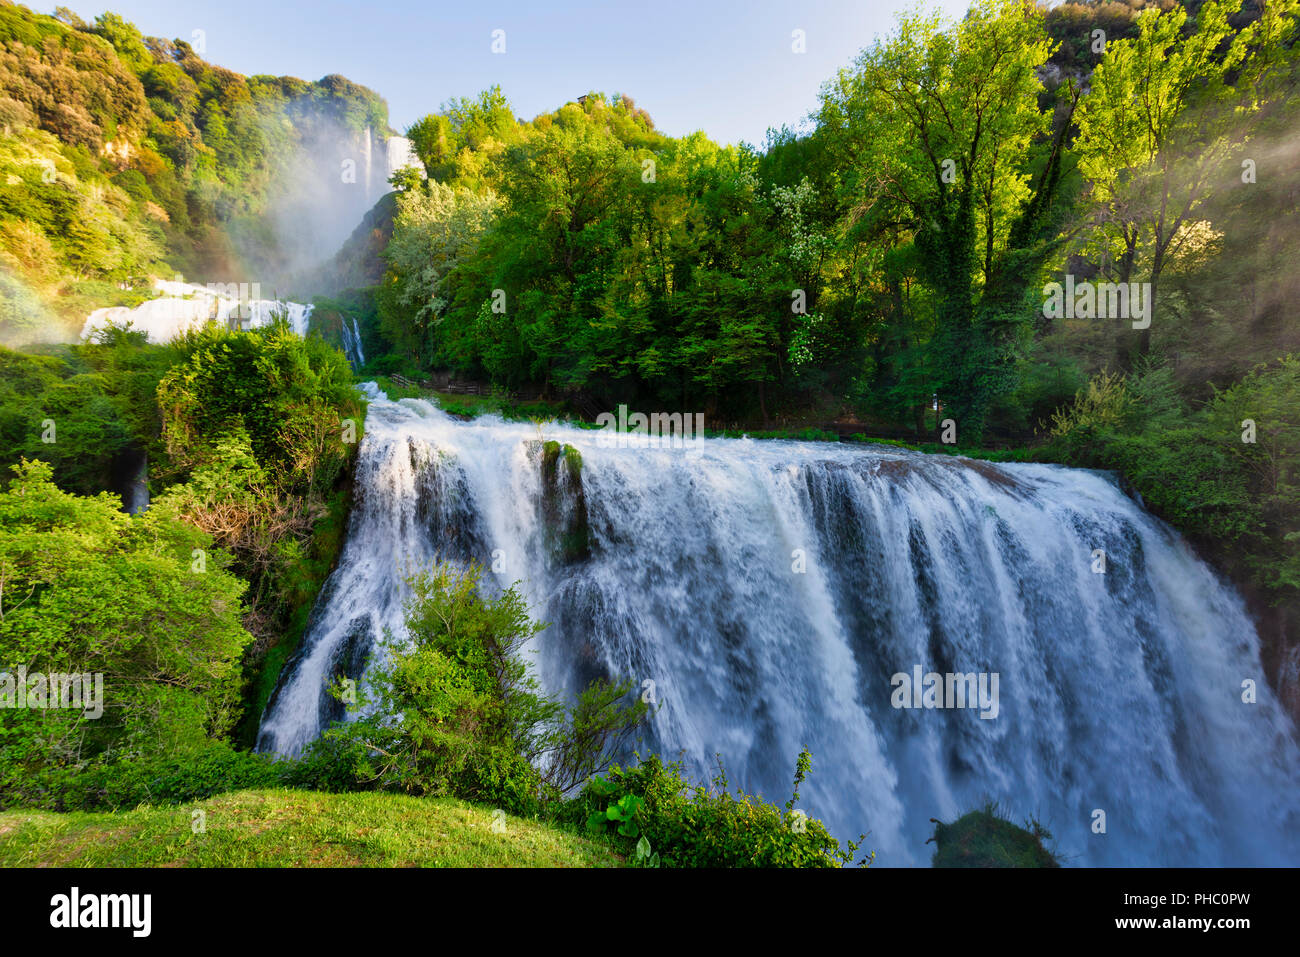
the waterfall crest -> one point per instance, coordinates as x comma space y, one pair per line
770, 590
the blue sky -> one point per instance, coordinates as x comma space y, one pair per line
723, 66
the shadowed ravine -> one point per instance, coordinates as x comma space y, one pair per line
1119, 692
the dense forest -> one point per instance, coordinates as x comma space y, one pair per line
892, 251
884, 265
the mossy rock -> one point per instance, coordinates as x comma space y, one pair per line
568, 532
982, 839
553, 452
573, 461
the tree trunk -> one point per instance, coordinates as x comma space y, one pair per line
1144, 341
1123, 354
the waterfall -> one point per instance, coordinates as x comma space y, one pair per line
183, 306
138, 495
400, 154
352, 342
772, 590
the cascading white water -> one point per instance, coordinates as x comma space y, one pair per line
400, 154
352, 343
1119, 692
183, 306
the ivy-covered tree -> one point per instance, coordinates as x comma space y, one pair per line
938, 121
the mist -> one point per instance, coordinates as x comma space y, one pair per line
322, 191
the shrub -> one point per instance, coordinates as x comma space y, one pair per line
696, 826
458, 711
982, 839
89, 589
1103, 405
287, 393
213, 769
254, 421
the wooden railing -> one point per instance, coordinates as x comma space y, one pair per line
454, 387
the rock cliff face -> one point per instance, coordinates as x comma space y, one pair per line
359, 262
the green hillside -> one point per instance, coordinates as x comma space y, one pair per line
124, 156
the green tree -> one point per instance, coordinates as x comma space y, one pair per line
146, 601
1167, 111
435, 228
943, 117
459, 144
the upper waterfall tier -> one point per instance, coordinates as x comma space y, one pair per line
183, 306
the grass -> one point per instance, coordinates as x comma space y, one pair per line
281, 828
473, 406
395, 391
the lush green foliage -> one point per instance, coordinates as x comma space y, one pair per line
123, 156
435, 228
288, 394
698, 826
616, 258
888, 264
845, 269
259, 430
82, 409
458, 711
247, 439
88, 589
133, 780
1168, 110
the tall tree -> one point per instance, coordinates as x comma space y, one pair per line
1167, 112
940, 119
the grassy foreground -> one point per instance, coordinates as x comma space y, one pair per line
282, 828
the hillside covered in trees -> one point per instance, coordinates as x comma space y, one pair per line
124, 157
892, 250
